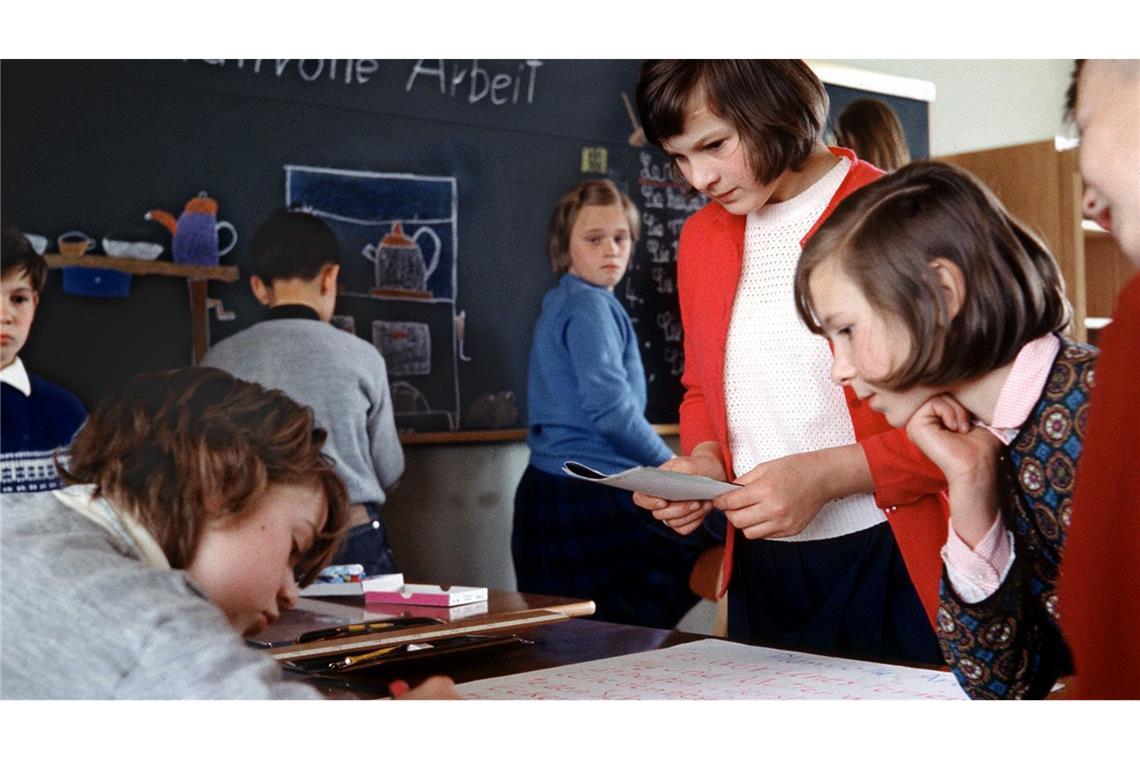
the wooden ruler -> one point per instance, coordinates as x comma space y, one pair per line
349, 644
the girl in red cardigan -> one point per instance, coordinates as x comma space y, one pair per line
812, 562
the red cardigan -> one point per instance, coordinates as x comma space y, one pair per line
709, 263
1099, 595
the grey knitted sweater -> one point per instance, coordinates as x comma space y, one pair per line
342, 378
82, 616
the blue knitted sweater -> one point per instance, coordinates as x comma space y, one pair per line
31, 429
586, 389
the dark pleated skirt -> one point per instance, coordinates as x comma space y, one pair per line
579, 539
850, 596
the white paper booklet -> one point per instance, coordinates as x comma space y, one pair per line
717, 669
674, 486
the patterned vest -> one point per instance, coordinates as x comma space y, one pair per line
1009, 645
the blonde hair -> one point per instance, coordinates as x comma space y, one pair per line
591, 192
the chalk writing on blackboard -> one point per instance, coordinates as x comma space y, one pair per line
466, 81
350, 71
650, 291
474, 82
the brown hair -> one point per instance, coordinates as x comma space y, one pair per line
778, 107
170, 442
884, 237
17, 252
1071, 93
871, 128
591, 192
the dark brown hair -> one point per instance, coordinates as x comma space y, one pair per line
591, 192
1071, 93
871, 128
17, 253
170, 442
778, 107
293, 244
884, 237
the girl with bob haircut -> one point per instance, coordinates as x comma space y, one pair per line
871, 128
586, 402
945, 313
812, 561
195, 505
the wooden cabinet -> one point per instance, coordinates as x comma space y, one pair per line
1040, 184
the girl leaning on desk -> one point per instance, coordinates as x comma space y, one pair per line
194, 501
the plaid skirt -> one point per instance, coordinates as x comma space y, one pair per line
583, 540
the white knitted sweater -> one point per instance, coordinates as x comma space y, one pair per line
778, 391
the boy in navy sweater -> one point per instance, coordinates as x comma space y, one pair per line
36, 417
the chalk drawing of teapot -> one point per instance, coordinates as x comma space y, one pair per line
196, 231
399, 260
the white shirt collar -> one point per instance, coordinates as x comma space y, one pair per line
17, 377
115, 521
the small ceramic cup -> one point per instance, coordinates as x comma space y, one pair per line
74, 243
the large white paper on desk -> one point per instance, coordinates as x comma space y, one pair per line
716, 669
674, 486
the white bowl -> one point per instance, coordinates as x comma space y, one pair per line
39, 242
126, 249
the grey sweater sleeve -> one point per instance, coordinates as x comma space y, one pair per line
384, 443
195, 659
83, 618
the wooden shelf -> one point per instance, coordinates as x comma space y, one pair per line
135, 266
494, 436
197, 277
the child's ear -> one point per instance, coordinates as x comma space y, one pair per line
261, 291
953, 284
328, 278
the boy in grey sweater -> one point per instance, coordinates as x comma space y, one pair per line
341, 377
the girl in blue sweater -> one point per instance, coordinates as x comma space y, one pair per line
586, 400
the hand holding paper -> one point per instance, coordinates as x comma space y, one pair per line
679, 492
656, 481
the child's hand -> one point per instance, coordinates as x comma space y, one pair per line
967, 456
943, 430
436, 687
779, 497
685, 516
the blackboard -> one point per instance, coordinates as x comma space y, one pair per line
92, 145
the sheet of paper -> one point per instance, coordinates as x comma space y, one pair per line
716, 669
674, 486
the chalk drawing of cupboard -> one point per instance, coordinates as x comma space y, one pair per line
397, 235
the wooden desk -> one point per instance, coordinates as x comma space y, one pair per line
562, 643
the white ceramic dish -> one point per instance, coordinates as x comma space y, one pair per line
126, 249
39, 242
